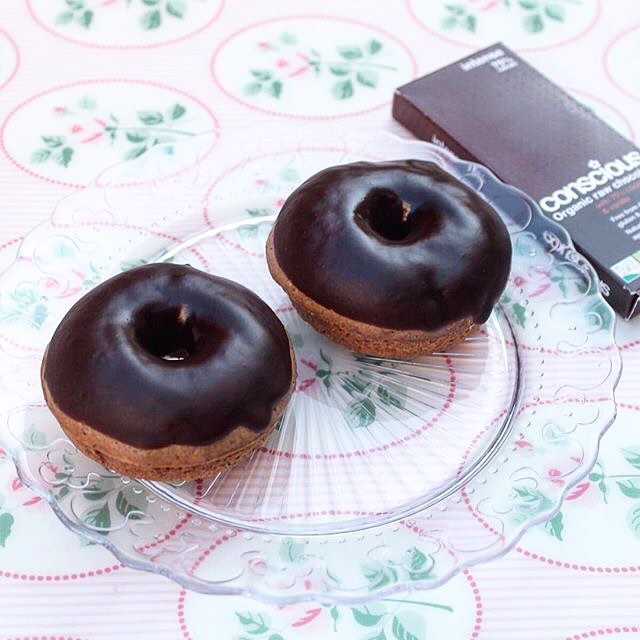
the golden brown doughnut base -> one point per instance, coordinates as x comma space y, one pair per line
363, 337
172, 463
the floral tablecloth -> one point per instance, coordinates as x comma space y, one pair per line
85, 84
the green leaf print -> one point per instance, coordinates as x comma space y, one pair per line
86, 18
449, 22
373, 46
455, 9
93, 494
134, 153
633, 520
261, 74
254, 623
632, 456
40, 155
342, 90
555, 12
253, 88
126, 508
529, 4
555, 526
350, 53
6, 522
275, 88
470, 23
340, 69
65, 156
288, 38
177, 111
176, 8
151, 20
334, 612
629, 488
392, 394
365, 617
360, 413
408, 625
53, 141
292, 551
75, 4
354, 383
533, 23
125, 265
379, 576
136, 136
519, 313
151, 3
99, 518
65, 17
150, 117
367, 77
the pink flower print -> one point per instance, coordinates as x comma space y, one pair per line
305, 384
523, 447
486, 5
59, 111
88, 130
534, 285
309, 616
16, 486
555, 476
315, 619
48, 283
579, 491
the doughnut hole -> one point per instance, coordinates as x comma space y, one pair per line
383, 212
166, 332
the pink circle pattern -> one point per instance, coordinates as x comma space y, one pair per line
14, 46
607, 65
62, 36
374, 28
79, 83
437, 34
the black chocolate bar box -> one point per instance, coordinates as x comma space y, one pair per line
494, 108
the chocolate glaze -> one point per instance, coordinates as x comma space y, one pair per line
401, 245
106, 365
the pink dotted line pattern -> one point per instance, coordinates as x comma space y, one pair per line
166, 536
607, 631
181, 618
8, 243
477, 627
182, 622
30, 577
44, 638
577, 567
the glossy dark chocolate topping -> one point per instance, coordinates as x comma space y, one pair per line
166, 354
401, 245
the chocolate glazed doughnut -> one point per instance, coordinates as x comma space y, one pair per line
394, 259
167, 372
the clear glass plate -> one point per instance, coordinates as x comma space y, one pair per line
383, 473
